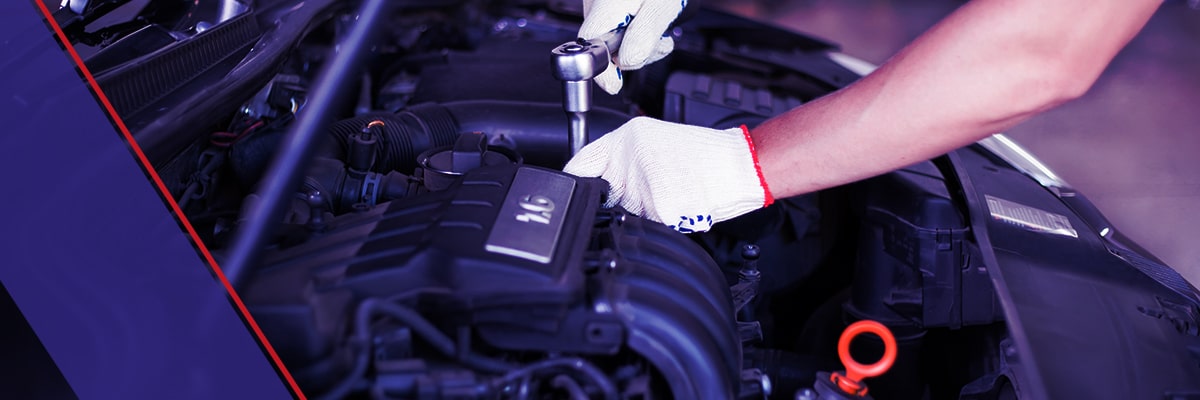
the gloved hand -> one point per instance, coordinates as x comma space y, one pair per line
687, 177
645, 23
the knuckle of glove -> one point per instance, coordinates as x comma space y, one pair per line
610, 80
605, 16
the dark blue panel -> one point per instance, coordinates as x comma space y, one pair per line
102, 272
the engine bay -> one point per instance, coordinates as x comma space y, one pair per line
435, 250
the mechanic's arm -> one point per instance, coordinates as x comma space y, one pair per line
988, 66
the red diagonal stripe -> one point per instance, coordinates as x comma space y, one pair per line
162, 190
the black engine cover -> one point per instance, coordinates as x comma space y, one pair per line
529, 260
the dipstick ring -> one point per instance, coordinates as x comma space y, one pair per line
851, 382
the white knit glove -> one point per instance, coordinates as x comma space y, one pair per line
687, 177
645, 23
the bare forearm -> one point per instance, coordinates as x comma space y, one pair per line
986, 67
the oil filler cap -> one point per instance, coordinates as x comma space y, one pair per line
442, 166
851, 382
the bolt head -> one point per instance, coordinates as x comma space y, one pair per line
579, 60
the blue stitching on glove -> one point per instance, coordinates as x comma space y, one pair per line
628, 20
691, 223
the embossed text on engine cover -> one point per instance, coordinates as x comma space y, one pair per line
532, 216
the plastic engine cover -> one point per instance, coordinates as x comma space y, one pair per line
529, 260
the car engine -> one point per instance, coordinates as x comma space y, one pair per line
434, 249
519, 260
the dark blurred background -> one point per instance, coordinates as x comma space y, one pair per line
1132, 144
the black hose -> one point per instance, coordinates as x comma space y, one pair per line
285, 172
572, 388
571, 363
420, 326
362, 356
535, 130
442, 343
404, 135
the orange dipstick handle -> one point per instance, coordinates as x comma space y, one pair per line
855, 372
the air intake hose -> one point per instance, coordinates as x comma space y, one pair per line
404, 135
535, 130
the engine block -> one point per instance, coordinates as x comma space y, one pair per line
525, 259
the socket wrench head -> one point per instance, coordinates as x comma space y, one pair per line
579, 60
